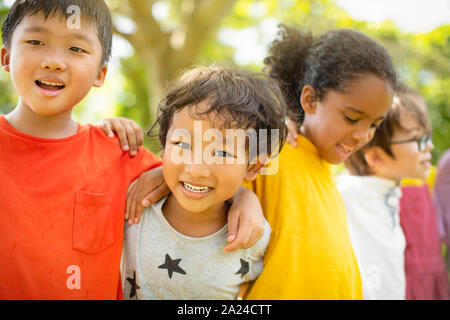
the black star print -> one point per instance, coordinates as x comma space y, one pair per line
244, 268
134, 285
172, 266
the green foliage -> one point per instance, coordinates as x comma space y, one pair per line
7, 96
422, 60
429, 73
133, 96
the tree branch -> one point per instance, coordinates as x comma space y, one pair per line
204, 20
148, 27
126, 36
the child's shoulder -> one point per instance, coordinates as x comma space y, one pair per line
86, 134
98, 135
152, 220
301, 160
348, 183
103, 143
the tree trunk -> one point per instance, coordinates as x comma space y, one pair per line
160, 57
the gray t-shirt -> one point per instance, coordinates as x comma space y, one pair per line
158, 262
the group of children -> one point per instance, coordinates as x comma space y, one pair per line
292, 234
389, 234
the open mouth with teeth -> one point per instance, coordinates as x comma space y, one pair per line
344, 149
196, 189
48, 85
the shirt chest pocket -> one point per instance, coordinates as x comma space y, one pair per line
93, 222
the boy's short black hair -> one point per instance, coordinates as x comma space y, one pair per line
95, 10
240, 98
405, 99
329, 62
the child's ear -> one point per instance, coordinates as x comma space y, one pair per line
5, 59
374, 157
254, 169
308, 99
101, 76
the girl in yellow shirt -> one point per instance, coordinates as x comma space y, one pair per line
339, 88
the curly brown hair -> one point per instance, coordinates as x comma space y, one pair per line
328, 62
241, 99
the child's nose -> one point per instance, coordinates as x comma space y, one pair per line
430, 146
363, 135
197, 170
53, 63
53, 66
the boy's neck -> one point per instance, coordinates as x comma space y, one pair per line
395, 180
194, 224
58, 126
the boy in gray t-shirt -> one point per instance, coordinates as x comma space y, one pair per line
175, 266
176, 252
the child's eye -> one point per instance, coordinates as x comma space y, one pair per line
375, 126
222, 154
77, 50
183, 145
35, 42
349, 119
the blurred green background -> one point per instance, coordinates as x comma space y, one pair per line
155, 40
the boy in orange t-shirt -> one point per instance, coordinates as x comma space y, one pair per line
64, 185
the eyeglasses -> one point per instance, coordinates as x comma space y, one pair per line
422, 141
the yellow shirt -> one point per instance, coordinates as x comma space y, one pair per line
310, 255
416, 182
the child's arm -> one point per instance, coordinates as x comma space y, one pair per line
150, 186
242, 290
245, 220
245, 217
130, 135
145, 190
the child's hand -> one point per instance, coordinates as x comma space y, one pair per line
130, 135
292, 132
242, 290
142, 192
245, 221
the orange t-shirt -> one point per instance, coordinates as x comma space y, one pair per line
62, 205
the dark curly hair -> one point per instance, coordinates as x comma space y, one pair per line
326, 63
405, 100
95, 10
240, 98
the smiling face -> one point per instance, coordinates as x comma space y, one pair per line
204, 183
343, 122
52, 66
408, 161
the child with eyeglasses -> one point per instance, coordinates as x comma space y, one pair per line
426, 277
400, 148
